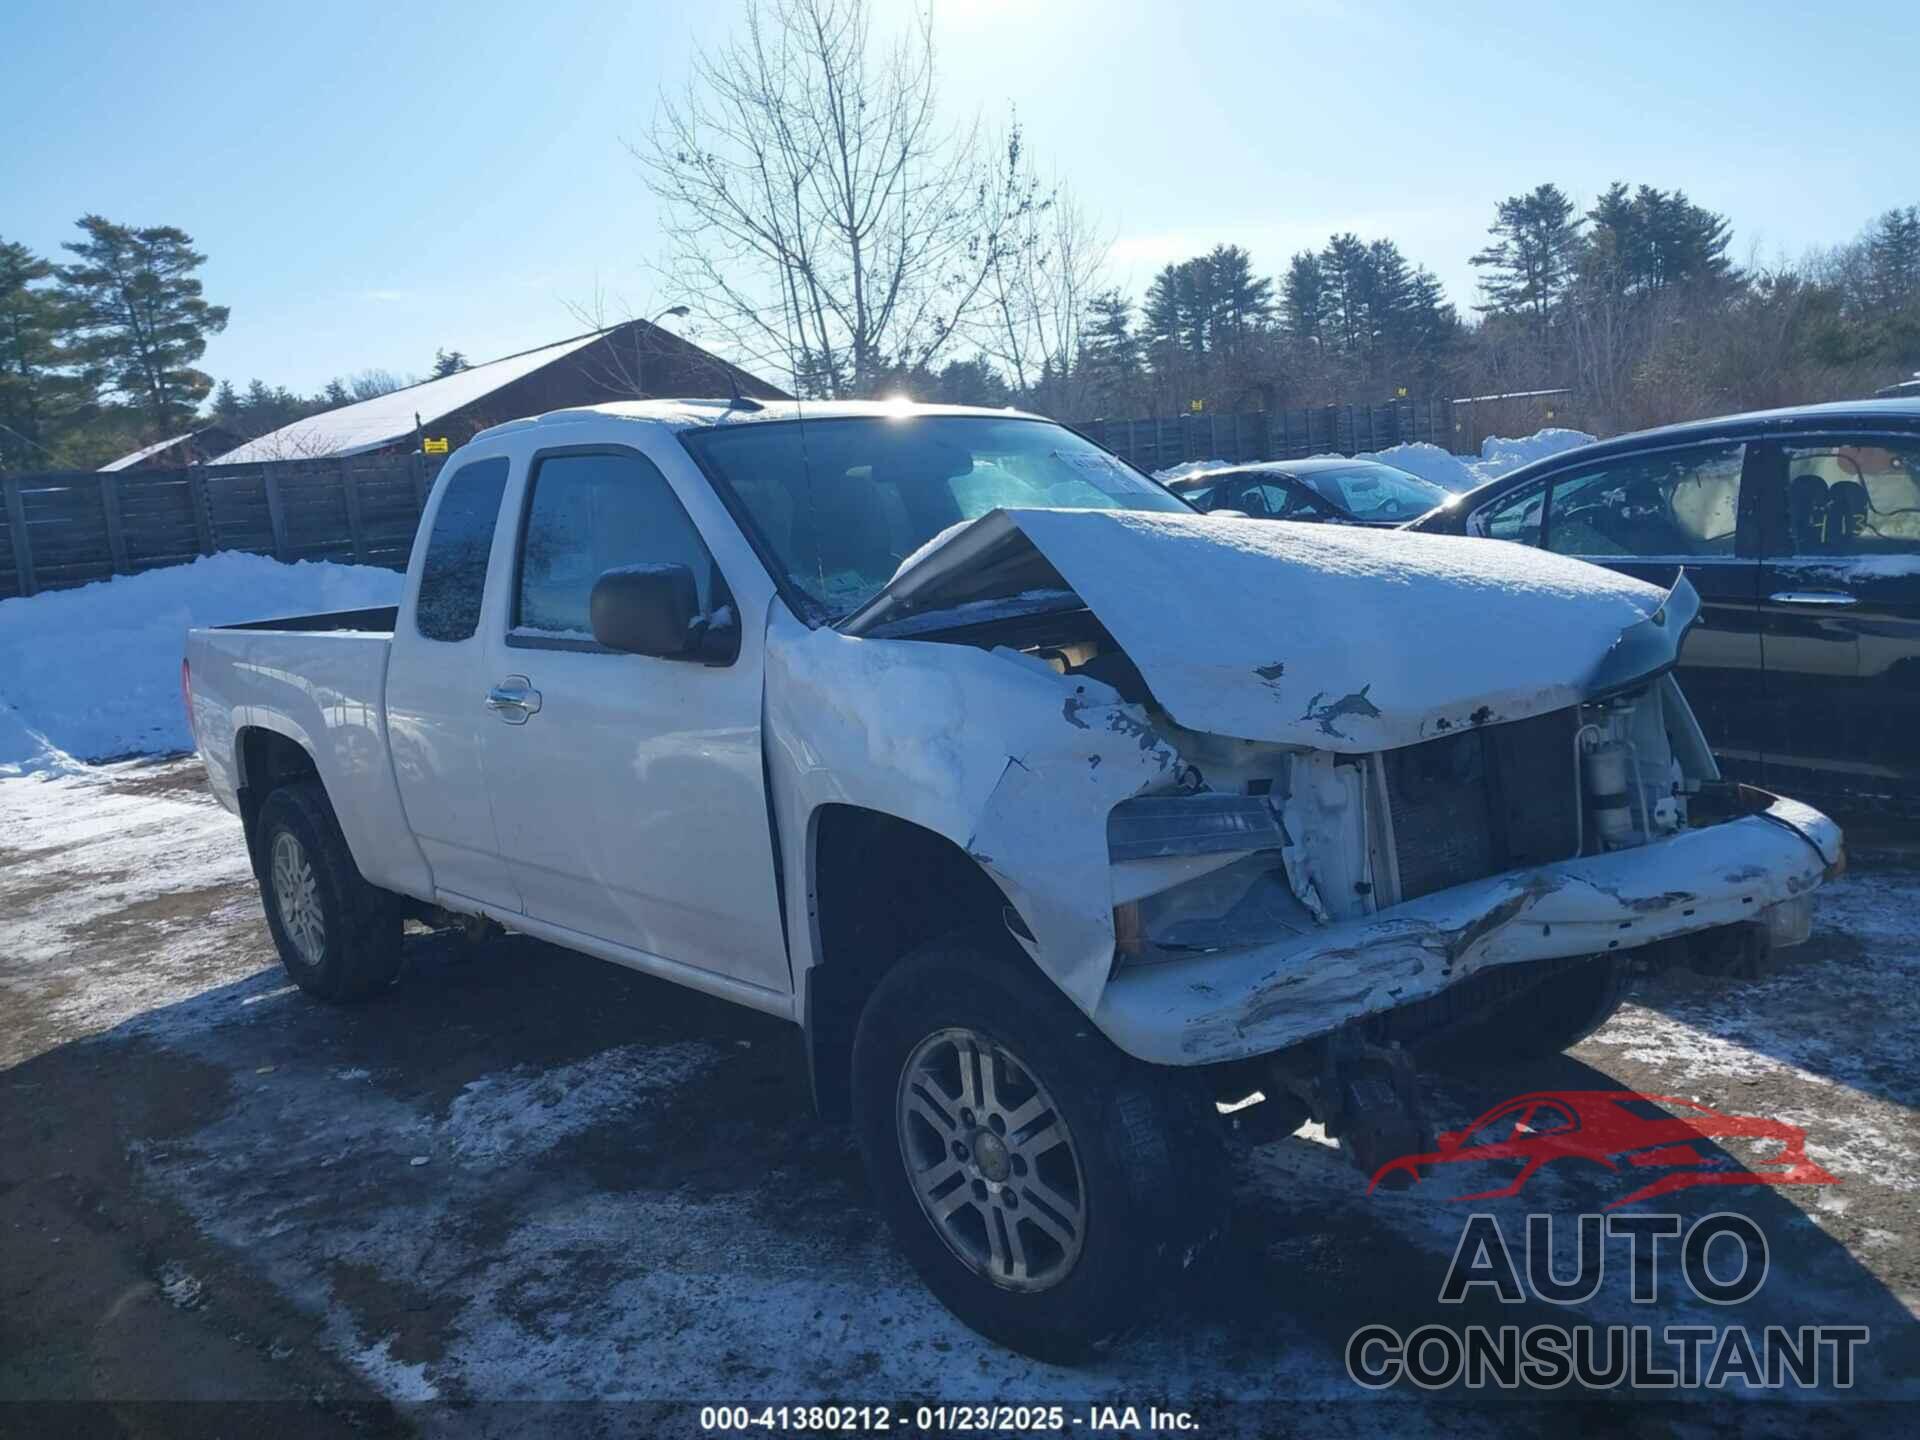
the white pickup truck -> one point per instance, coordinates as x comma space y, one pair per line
1058, 815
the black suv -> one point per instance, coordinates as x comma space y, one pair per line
1801, 531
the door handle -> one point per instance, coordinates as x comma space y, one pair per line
514, 699
1812, 597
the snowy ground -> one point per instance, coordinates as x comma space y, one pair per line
126, 700
527, 1175
1458, 473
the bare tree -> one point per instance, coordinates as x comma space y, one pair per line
818, 217
631, 369
1040, 281
371, 384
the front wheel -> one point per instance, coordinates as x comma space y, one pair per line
338, 936
1042, 1183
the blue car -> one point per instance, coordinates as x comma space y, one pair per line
1345, 492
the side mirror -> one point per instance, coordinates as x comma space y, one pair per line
645, 610
655, 610
1447, 1139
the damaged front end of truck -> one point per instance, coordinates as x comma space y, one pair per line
1261, 791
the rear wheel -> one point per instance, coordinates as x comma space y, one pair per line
338, 936
1042, 1183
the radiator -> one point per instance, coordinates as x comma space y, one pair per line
1473, 804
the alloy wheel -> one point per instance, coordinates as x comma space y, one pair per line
991, 1160
296, 891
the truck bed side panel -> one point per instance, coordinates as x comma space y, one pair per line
326, 692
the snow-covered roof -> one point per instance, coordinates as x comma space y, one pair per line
127, 462
371, 424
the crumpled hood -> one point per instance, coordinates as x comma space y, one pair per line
1332, 637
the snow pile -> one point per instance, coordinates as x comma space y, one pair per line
94, 673
1429, 462
1498, 455
1190, 467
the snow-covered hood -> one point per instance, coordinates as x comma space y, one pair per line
1331, 637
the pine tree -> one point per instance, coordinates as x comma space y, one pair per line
1432, 331
1109, 351
1653, 240
1239, 303
1179, 306
1347, 272
1388, 298
42, 396
140, 318
973, 381
1527, 269
449, 362
1893, 259
1303, 298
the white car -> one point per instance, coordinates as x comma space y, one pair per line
1057, 814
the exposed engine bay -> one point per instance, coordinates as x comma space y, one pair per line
1247, 785
1251, 840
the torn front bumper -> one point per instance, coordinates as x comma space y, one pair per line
1231, 1005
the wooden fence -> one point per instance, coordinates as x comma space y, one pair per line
71, 527
1274, 434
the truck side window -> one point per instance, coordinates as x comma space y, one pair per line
454, 575
588, 513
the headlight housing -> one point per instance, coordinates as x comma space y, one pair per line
1236, 902
1157, 827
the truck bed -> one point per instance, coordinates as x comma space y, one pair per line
377, 620
319, 682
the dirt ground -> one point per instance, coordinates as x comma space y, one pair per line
526, 1177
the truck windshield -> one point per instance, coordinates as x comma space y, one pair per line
839, 503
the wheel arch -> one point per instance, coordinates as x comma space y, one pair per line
265, 758
878, 887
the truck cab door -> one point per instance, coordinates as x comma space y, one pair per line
630, 790
1840, 615
434, 685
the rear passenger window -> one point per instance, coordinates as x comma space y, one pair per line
454, 575
1855, 498
1668, 503
589, 513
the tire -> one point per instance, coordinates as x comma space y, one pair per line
1542, 1023
338, 936
1134, 1150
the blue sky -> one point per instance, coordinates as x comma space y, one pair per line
371, 181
